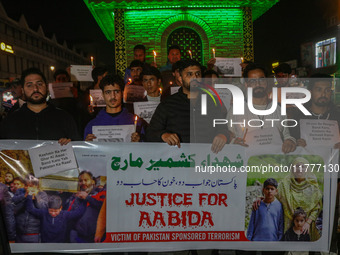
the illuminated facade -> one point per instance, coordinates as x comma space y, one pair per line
21, 48
199, 26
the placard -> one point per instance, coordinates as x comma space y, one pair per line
51, 159
60, 90
229, 67
318, 132
134, 93
265, 136
81, 72
115, 133
145, 110
97, 97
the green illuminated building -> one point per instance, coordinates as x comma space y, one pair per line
199, 26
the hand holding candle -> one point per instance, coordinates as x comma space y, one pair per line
136, 119
90, 107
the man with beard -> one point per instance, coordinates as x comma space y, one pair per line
38, 120
320, 105
255, 77
177, 121
85, 228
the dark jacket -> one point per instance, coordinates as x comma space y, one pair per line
87, 223
49, 124
177, 114
7, 211
53, 229
27, 223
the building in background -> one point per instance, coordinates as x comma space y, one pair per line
22, 48
198, 26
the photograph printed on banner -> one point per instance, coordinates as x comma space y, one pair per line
285, 205
31, 205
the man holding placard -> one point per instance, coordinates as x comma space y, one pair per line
322, 127
114, 123
255, 78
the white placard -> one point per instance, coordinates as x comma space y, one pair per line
51, 159
134, 93
319, 132
174, 90
145, 110
97, 96
265, 136
81, 73
60, 90
115, 133
229, 67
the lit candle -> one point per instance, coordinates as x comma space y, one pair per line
170, 83
190, 54
154, 56
91, 60
241, 59
213, 53
136, 118
91, 100
160, 91
130, 81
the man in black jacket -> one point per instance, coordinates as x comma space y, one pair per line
37, 120
178, 119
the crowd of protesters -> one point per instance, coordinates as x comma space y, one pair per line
34, 216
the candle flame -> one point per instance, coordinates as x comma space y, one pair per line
160, 91
91, 58
190, 52
136, 118
154, 53
91, 99
213, 50
242, 59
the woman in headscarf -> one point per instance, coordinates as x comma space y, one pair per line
300, 189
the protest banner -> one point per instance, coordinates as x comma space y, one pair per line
183, 198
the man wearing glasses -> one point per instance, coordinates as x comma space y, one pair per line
255, 78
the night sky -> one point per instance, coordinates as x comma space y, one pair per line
277, 34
